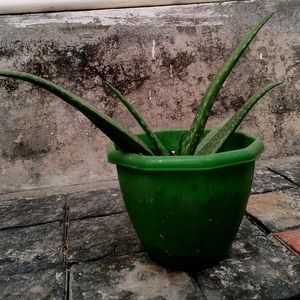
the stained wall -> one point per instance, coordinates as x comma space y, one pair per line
162, 59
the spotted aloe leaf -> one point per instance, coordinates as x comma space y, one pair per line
209, 135
214, 140
158, 147
122, 137
191, 139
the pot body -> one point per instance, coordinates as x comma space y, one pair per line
187, 217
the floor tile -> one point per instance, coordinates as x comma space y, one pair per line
31, 211
30, 248
43, 284
289, 167
130, 277
94, 238
278, 210
257, 267
291, 238
95, 203
267, 181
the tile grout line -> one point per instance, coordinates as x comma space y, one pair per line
283, 176
280, 189
193, 277
65, 251
98, 259
259, 224
30, 225
99, 216
285, 245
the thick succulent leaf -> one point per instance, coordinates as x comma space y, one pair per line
158, 147
190, 141
213, 141
122, 137
210, 135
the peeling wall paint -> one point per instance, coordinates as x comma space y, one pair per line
162, 58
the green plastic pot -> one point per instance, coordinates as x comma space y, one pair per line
186, 210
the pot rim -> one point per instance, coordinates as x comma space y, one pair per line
188, 162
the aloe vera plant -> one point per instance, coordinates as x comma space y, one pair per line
191, 143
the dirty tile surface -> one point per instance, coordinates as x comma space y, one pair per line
30, 248
288, 167
95, 238
278, 210
257, 267
130, 277
101, 202
31, 211
42, 284
266, 180
82, 246
291, 238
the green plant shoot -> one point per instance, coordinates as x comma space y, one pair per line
191, 139
213, 141
158, 147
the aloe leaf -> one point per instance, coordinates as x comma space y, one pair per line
209, 136
190, 141
158, 147
213, 141
122, 137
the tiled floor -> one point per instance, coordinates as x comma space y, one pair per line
82, 246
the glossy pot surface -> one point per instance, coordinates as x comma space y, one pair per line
187, 210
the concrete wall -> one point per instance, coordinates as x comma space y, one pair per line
162, 58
